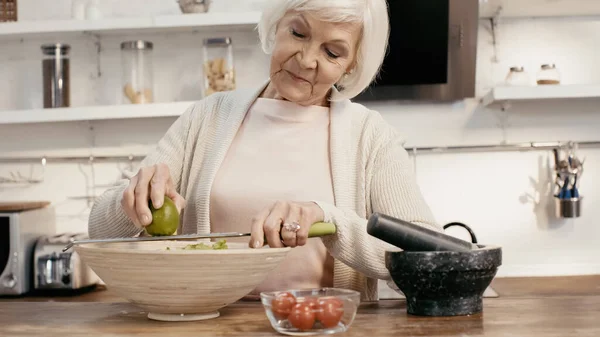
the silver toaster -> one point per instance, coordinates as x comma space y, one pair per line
58, 270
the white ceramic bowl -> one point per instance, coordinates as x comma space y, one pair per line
180, 285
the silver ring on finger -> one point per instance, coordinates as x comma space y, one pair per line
293, 227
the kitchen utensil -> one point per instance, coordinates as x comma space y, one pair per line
316, 230
440, 275
556, 158
574, 190
467, 228
568, 176
170, 283
444, 283
565, 192
563, 165
411, 237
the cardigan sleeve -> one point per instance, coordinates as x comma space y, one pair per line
107, 218
394, 192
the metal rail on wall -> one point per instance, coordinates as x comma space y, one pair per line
44, 160
515, 147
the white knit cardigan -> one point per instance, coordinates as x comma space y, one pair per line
371, 172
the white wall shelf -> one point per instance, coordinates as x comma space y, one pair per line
501, 96
113, 26
538, 8
108, 112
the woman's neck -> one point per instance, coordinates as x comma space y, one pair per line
271, 92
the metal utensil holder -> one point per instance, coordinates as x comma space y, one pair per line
568, 169
568, 208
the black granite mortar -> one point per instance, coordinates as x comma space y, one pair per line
444, 283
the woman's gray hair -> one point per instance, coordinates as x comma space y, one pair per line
372, 45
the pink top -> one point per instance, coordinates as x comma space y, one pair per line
281, 152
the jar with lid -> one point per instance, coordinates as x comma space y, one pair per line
137, 72
56, 75
194, 6
219, 71
517, 77
8, 10
548, 74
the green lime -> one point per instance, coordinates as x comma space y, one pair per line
165, 220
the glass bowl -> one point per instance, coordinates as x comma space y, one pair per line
311, 312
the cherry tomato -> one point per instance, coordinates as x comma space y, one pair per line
282, 305
302, 317
330, 312
312, 302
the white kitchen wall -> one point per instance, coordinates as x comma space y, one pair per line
503, 196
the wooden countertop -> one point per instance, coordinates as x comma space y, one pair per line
528, 307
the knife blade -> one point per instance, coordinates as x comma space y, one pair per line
316, 230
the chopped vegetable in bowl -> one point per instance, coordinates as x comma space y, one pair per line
219, 245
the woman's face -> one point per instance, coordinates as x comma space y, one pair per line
310, 56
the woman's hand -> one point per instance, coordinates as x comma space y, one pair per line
285, 223
151, 182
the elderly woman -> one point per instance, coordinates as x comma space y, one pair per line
295, 150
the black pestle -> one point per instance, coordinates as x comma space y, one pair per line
411, 237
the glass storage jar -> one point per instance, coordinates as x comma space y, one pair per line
8, 10
136, 58
548, 74
517, 77
194, 6
219, 71
56, 75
